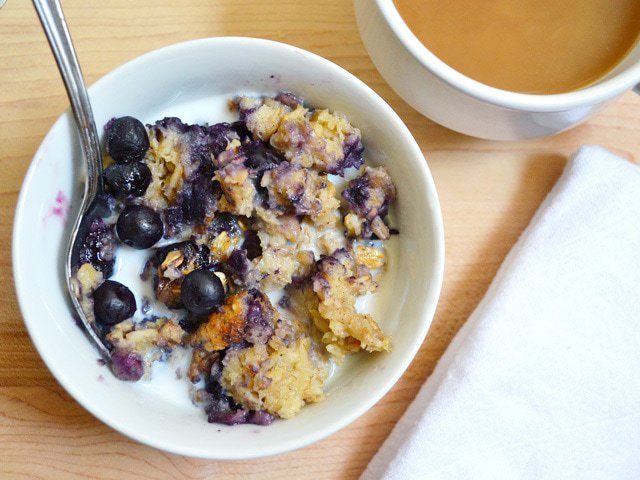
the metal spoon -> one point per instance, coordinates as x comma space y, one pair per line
93, 203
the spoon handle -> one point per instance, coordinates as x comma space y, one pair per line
55, 28
57, 33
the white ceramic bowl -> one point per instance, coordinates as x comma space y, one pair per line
465, 105
193, 80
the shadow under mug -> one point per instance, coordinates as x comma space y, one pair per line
467, 106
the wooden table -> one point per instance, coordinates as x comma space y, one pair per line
488, 190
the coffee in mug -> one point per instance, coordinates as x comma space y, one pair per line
527, 46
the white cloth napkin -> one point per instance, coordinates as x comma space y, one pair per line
543, 380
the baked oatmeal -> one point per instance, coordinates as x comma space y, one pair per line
261, 235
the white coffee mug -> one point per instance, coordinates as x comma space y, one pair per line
450, 98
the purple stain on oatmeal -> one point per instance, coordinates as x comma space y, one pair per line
199, 142
239, 267
196, 201
294, 189
323, 141
368, 197
356, 195
370, 194
259, 318
326, 267
353, 150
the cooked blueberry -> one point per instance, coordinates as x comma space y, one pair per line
218, 137
127, 365
98, 247
139, 226
191, 322
260, 417
113, 303
128, 179
259, 318
260, 157
230, 417
252, 244
201, 292
127, 140
198, 200
241, 129
289, 99
353, 149
238, 263
357, 194
225, 222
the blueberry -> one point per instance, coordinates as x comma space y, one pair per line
139, 226
128, 179
192, 256
127, 140
113, 303
202, 292
127, 365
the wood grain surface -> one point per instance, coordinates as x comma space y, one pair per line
488, 190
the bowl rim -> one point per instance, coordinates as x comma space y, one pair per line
591, 95
22, 285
